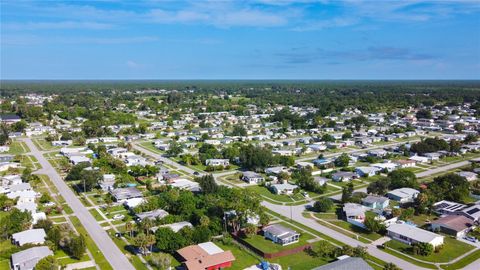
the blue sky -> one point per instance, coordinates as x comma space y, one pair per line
262, 39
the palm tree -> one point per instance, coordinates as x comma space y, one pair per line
151, 241
146, 225
129, 228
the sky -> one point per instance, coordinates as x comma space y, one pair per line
256, 39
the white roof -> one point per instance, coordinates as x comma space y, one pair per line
413, 232
210, 248
27, 259
29, 236
404, 192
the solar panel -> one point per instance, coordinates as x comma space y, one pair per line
473, 211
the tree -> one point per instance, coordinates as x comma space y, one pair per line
168, 240
47, 263
450, 187
255, 158
402, 178
379, 187
423, 203
207, 184
239, 130
424, 249
76, 172
90, 179
324, 204
15, 221
373, 225
77, 246
45, 198
141, 242
250, 230
160, 260
423, 114
407, 213
342, 161
459, 127
129, 228
322, 249
174, 149
347, 192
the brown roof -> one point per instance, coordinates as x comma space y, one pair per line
454, 222
196, 258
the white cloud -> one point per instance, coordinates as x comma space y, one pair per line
57, 25
133, 65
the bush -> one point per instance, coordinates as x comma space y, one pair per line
323, 205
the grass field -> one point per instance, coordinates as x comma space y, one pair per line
464, 261
18, 148
243, 258
452, 249
263, 191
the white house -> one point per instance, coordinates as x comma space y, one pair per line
281, 234
217, 162
285, 188
252, 177
33, 236
403, 195
409, 234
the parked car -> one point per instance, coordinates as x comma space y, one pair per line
470, 238
196, 173
118, 217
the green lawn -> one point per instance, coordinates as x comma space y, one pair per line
263, 191
96, 253
452, 249
300, 261
463, 262
151, 147
18, 148
42, 144
243, 258
96, 215
357, 230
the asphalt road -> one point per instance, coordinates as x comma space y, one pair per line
106, 245
442, 169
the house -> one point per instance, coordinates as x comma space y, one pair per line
355, 213
133, 202
447, 207
33, 236
455, 225
28, 258
343, 176
217, 162
205, 256
6, 158
320, 180
346, 263
367, 171
377, 153
176, 227
122, 194
409, 234
275, 170
403, 195
285, 189
108, 182
252, 177
419, 159
385, 166
78, 159
376, 202
152, 215
280, 234
470, 176
185, 184
472, 212
405, 163
10, 118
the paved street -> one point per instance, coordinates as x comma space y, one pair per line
443, 168
106, 245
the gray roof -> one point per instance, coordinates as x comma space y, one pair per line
126, 193
33, 236
413, 232
279, 230
346, 264
374, 199
160, 213
27, 259
250, 174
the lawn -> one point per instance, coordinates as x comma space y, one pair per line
96, 215
452, 249
96, 253
151, 147
267, 246
299, 261
357, 230
421, 220
464, 261
18, 148
243, 258
263, 191
42, 144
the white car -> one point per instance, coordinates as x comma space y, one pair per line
118, 217
49, 204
